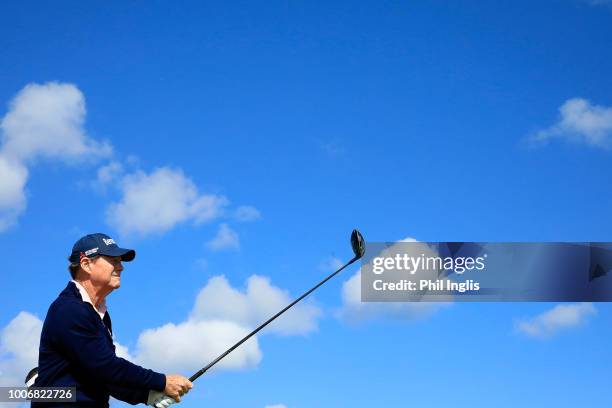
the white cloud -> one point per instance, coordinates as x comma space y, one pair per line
276, 406
221, 316
261, 300
12, 191
555, 320
19, 342
123, 352
43, 121
246, 213
108, 176
109, 173
156, 202
354, 310
580, 121
47, 121
226, 238
188, 346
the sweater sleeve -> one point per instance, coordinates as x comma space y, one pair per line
78, 334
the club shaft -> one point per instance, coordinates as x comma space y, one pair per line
270, 320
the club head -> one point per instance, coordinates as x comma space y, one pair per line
357, 243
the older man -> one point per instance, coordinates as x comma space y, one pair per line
76, 345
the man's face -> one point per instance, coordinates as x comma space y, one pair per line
105, 272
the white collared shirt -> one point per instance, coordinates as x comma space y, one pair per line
101, 309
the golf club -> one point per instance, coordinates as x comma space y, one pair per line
358, 246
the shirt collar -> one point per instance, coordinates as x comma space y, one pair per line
101, 309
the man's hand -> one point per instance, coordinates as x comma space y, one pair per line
177, 385
158, 399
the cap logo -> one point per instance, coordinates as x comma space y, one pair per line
108, 241
91, 251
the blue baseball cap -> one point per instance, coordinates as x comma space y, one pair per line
99, 244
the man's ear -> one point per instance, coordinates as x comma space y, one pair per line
86, 264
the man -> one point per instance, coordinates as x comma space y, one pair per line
76, 345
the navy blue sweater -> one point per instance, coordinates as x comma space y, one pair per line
77, 350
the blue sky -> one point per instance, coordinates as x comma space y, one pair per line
274, 129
